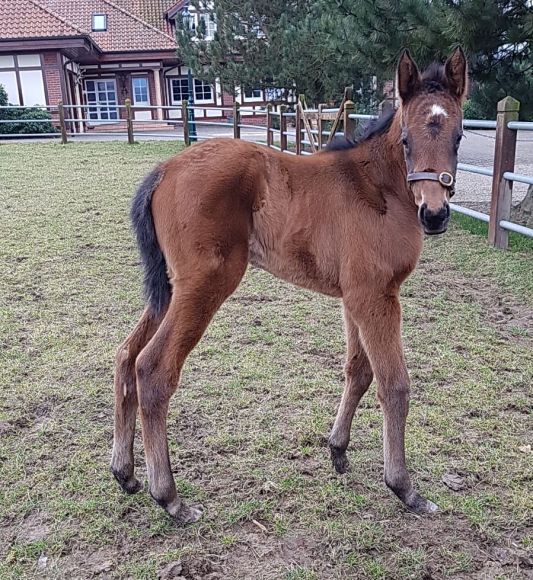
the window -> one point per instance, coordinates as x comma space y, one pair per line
253, 94
99, 22
179, 89
209, 25
22, 77
202, 91
140, 90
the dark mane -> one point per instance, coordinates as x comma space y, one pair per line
376, 127
434, 78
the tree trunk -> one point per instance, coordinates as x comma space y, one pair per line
524, 210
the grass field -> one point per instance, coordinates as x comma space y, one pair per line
248, 426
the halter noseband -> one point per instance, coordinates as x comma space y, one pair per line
446, 179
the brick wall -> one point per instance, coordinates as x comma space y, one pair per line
52, 77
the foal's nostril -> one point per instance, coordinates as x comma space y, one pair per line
422, 211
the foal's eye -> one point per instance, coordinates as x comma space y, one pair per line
458, 140
405, 142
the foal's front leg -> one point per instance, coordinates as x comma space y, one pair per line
358, 378
379, 320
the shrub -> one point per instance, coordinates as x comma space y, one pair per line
26, 113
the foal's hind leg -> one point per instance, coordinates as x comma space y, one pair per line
379, 320
193, 304
126, 400
358, 378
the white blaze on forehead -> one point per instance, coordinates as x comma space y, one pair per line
438, 110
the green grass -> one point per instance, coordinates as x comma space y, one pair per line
517, 242
248, 425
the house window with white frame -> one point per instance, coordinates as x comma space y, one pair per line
179, 90
209, 25
253, 94
202, 91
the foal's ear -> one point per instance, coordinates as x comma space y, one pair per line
409, 79
456, 73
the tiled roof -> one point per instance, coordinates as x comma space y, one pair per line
126, 31
153, 11
30, 19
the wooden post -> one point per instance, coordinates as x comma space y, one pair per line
236, 121
62, 124
348, 92
282, 128
185, 120
320, 126
349, 124
129, 121
269, 125
299, 126
504, 158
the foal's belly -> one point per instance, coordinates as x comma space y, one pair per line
298, 266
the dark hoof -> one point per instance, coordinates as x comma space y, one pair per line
339, 459
130, 484
414, 502
182, 513
421, 506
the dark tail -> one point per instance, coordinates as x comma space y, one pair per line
157, 289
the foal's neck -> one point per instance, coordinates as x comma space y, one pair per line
385, 155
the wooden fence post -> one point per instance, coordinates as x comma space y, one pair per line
504, 158
236, 121
185, 121
282, 128
62, 124
129, 121
348, 92
320, 126
349, 124
269, 125
298, 123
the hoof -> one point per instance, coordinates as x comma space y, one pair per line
422, 506
412, 500
129, 484
182, 513
339, 459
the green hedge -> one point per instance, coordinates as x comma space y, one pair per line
27, 113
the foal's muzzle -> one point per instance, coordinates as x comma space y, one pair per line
434, 222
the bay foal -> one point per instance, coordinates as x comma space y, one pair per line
348, 222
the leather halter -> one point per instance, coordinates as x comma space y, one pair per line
445, 178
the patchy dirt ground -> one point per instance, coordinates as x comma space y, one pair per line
248, 427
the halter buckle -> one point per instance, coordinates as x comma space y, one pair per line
446, 179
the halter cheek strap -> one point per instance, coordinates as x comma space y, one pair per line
446, 179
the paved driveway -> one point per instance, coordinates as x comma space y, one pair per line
477, 148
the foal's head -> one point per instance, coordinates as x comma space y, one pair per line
431, 120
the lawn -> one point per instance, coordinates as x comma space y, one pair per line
249, 424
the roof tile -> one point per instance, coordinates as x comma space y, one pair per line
126, 31
36, 22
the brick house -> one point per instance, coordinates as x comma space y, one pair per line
98, 53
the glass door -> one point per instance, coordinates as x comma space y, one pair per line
141, 97
101, 97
